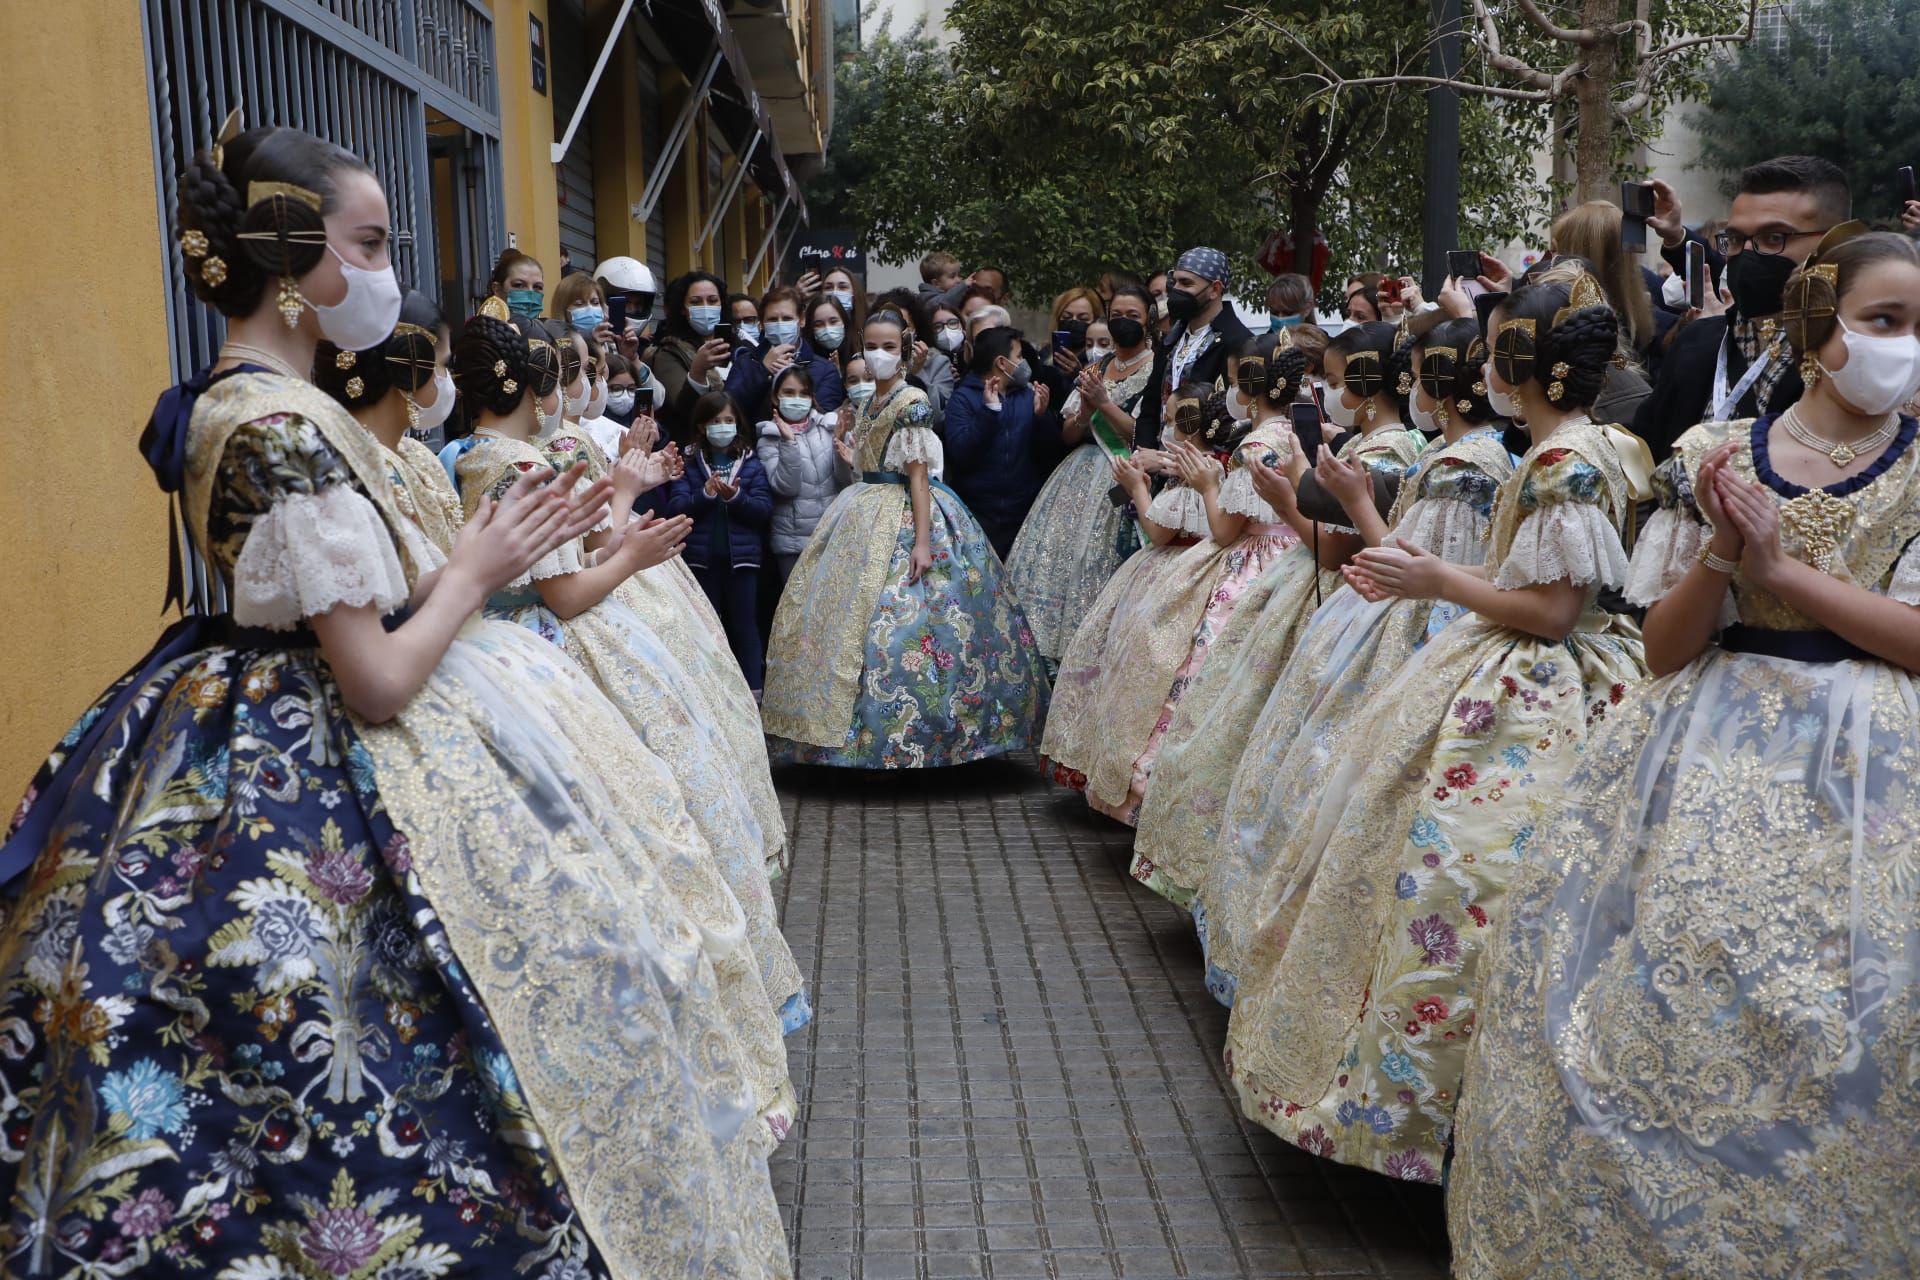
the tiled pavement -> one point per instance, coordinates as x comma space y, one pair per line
1015, 1068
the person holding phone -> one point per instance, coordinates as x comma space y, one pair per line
688, 351
783, 344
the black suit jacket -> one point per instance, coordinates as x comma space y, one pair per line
1685, 386
1210, 366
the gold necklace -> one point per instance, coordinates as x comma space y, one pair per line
254, 355
1840, 453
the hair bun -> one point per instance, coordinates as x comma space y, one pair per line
208, 213
490, 365
283, 235
1575, 354
1285, 368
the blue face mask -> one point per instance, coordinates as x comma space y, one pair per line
586, 319
828, 337
749, 334
527, 303
721, 434
1282, 322
783, 332
842, 296
703, 319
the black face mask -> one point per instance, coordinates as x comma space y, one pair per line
1076, 331
1758, 282
1182, 305
1127, 332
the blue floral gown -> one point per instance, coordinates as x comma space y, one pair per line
255, 1026
867, 670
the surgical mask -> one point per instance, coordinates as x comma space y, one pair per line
842, 296
1020, 375
721, 434
368, 312
1758, 282
1502, 402
795, 408
783, 333
883, 363
597, 402
950, 338
586, 319
860, 392
828, 337
749, 334
1881, 373
620, 402
1278, 323
1127, 331
526, 303
434, 414
1097, 351
1337, 410
575, 404
1237, 404
703, 318
1422, 418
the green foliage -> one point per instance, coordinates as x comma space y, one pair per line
1059, 140
1842, 86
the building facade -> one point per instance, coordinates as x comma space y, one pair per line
674, 131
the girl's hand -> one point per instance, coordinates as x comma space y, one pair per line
630, 479
1454, 300
655, 542
504, 537
1042, 397
921, 562
1093, 390
844, 449
807, 285
1274, 488
1358, 578
586, 509
919, 360
604, 335
1198, 469
1155, 462
1066, 361
1727, 542
641, 435
844, 423
1344, 480
1751, 509
724, 491
1130, 476
1405, 570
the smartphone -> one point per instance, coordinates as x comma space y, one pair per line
1636, 206
1063, 340
1903, 185
724, 332
1308, 430
1463, 264
1696, 274
617, 313
1390, 289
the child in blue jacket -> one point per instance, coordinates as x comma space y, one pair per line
725, 490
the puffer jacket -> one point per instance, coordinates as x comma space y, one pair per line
805, 473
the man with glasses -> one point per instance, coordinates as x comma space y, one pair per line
1737, 365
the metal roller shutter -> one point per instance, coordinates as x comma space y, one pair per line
567, 27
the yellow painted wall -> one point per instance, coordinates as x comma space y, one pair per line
526, 135
81, 520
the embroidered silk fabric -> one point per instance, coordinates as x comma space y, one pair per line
1209, 730
1350, 1022
870, 671
726, 889
1350, 650
1698, 1035
1138, 653
259, 1049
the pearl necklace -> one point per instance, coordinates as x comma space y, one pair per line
1840, 453
254, 355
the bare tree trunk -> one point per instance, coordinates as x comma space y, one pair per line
1593, 105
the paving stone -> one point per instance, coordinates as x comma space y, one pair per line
1015, 1067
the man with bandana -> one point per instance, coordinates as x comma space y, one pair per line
1203, 329
1737, 365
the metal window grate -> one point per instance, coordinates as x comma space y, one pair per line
361, 73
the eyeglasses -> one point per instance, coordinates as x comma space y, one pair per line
1766, 242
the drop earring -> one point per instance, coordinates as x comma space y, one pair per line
291, 302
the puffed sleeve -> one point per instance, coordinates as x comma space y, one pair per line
1672, 539
913, 440
1904, 585
1182, 508
1237, 494
1453, 512
311, 540
1564, 532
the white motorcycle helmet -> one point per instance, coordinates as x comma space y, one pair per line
629, 276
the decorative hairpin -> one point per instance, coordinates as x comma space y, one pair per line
1513, 347
355, 388
214, 272
345, 359
229, 130
194, 243
510, 386
494, 308
1584, 292
258, 191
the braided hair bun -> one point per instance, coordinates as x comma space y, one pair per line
1373, 362
404, 362
1575, 355
1271, 368
1449, 370
246, 217
543, 358
490, 365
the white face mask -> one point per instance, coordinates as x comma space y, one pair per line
1880, 374
883, 363
795, 408
432, 415
1097, 351
368, 312
576, 404
1237, 404
1337, 410
620, 401
950, 338
1422, 418
1502, 402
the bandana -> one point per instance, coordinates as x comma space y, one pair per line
1208, 264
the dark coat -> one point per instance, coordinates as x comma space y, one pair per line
751, 386
997, 459
732, 532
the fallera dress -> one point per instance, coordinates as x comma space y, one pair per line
1350, 1038
275, 1007
1074, 538
668, 598
1352, 649
867, 670
1699, 1038
1153, 632
661, 705
1210, 727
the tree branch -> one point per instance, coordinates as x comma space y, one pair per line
1498, 57
1585, 37
1648, 72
